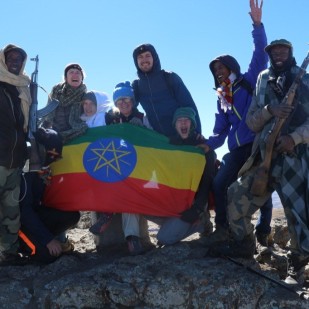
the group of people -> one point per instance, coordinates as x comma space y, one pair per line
248, 106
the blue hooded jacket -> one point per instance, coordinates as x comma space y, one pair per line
232, 123
157, 99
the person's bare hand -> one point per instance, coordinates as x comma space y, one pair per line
285, 144
256, 11
281, 111
54, 247
205, 147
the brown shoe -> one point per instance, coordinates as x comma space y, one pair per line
67, 246
221, 234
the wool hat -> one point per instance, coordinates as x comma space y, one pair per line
123, 90
282, 42
90, 96
186, 112
73, 66
12, 47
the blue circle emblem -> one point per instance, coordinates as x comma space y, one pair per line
110, 159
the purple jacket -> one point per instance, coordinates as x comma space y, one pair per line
232, 123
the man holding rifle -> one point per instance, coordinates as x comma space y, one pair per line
279, 115
15, 101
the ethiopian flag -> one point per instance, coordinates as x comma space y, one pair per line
125, 168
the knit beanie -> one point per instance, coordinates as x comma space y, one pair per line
90, 96
186, 112
73, 66
123, 90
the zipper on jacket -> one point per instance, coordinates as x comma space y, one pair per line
153, 108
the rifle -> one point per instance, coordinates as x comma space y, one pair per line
35, 160
260, 180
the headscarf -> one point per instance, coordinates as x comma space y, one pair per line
21, 81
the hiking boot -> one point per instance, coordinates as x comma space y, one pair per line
134, 245
208, 226
221, 234
10, 259
295, 268
102, 224
262, 239
67, 246
238, 249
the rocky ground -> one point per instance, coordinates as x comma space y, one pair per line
178, 276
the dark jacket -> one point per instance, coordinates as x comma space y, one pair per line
12, 136
158, 101
232, 123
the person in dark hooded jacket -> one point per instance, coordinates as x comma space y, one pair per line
159, 92
234, 91
15, 101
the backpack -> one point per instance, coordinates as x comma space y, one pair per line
246, 85
168, 76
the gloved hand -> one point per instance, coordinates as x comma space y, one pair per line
190, 215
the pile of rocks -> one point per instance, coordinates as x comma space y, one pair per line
178, 276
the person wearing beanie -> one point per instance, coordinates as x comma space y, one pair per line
94, 105
289, 166
125, 111
195, 219
65, 119
159, 92
125, 107
234, 91
15, 101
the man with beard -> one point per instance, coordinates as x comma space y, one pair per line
289, 167
159, 92
15, 102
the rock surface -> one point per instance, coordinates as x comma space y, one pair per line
178, 276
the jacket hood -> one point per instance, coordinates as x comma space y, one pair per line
144, 48
229, 61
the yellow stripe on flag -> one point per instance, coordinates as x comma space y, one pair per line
154, 165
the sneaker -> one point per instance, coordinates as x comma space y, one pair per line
10, 259
221, 234
295, 268
238, 249
102, 224
67, 246
134, 245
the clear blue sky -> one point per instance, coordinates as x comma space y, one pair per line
101, 34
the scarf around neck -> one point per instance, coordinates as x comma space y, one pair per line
225, 92
68, 95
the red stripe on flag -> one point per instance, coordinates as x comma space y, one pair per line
79, 191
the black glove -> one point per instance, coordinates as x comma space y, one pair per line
190, 215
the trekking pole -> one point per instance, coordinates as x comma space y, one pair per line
300, 294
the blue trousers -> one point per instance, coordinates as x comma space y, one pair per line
227, 174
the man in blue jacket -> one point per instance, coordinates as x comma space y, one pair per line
234, 91
159, 92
